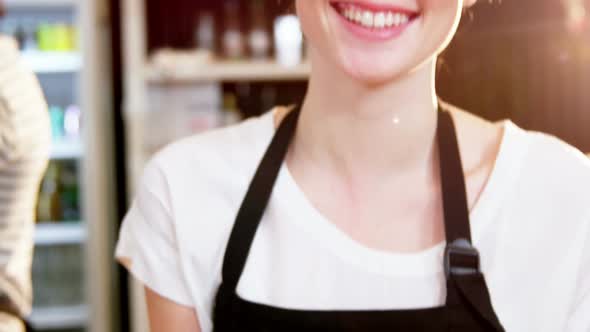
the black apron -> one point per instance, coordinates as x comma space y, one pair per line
467, 307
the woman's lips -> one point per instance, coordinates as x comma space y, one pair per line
373, 22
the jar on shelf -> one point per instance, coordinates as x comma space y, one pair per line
205, 32
233, 40
258, 38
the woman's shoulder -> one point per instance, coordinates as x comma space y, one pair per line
561, 167
540, 152
539, 166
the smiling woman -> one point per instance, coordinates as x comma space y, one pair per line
371, 206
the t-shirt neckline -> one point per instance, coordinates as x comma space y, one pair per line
421, 263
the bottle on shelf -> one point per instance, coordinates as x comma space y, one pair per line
56, 116
233, 41
63, 40
268, 97
258, 39
231, 114
205, 32
49, 202
45, 38
58, 199
30, 41
71, 122
20, 35
69, 193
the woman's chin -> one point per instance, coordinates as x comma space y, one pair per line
373, 69
373, 75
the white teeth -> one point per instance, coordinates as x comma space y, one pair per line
367, 19
379, 20
389, 19
358, 16
374, 20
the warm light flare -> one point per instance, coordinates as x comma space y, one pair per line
576, 12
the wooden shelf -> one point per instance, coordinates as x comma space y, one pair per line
59, 317
66, 149
53, 62
229, 71
53, 233
39, 3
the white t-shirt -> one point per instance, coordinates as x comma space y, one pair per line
531, 225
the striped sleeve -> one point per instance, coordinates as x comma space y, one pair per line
24, 149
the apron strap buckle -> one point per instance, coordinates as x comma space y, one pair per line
461, 258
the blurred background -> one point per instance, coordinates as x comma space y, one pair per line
125, 77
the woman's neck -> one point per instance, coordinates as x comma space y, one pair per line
358, 130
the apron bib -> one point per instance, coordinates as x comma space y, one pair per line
467, 307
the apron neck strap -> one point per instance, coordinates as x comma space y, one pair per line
456, 212
461, 257
255, 201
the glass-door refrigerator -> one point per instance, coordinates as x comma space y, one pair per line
63, 42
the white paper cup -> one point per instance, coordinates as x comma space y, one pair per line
288, 40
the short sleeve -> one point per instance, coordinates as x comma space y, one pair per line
147, 244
